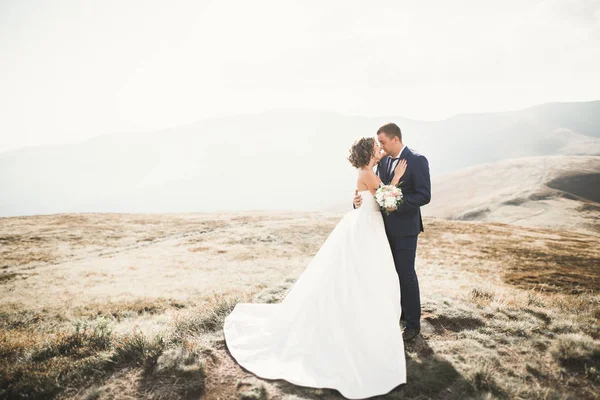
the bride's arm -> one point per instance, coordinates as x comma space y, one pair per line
398, 172
373, 181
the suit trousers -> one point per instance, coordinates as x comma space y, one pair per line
404, 250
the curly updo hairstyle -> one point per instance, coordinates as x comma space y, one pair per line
361, 152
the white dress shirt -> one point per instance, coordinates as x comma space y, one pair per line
395, 162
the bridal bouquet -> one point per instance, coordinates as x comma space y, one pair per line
389, 197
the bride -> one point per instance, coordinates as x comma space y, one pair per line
338, 326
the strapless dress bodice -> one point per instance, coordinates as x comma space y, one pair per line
368, 201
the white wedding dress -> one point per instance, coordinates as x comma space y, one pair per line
338, 327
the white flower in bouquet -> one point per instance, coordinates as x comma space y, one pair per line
389, 197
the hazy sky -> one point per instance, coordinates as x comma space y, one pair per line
70, 70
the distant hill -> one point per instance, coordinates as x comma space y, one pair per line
560, 192
581, 117
277, 160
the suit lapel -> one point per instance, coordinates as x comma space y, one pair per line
406, 153
388, 174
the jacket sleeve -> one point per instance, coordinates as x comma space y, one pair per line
422, 181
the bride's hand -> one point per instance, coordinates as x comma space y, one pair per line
400, 169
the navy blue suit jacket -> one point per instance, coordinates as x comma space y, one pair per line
416, 191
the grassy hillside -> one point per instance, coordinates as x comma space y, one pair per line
561, 192
132, 305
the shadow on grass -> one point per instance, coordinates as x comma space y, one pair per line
428, 376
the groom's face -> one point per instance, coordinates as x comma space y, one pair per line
389, 145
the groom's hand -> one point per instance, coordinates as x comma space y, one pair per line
357, 199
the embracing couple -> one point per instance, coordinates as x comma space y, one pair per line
339, 325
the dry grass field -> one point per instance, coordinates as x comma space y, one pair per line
128, 306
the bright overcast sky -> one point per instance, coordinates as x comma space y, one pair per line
70, 70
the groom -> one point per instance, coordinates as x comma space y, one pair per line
404, 225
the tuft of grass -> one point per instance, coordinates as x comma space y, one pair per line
208, 321
7, 276
577, 351
88, 338
128, 309
138, 350
535, 299
483, 379
481, 295
18, 319
251, 389
274, 294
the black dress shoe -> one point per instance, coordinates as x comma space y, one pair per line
410, 333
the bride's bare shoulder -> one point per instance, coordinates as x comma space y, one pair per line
367, 176
371, 180
361, 181
366, 172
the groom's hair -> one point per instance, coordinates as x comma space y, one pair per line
391, 130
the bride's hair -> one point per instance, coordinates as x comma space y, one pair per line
361, 152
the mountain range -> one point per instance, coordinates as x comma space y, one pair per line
277, 160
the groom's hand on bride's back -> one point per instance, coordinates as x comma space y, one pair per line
357, 199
